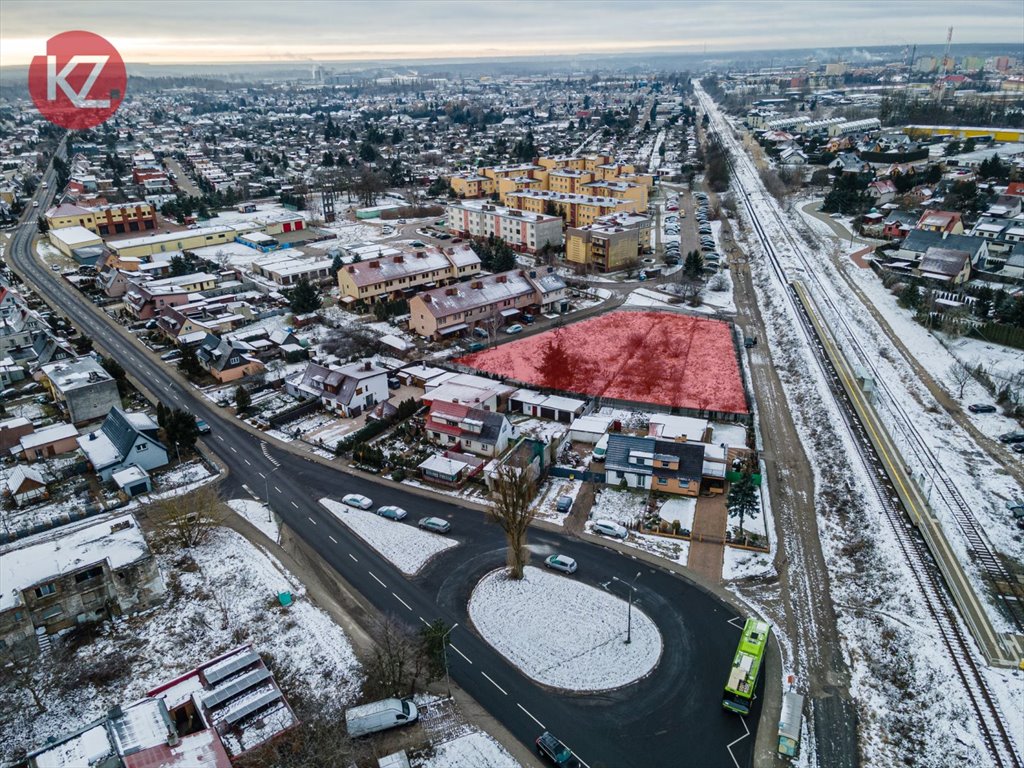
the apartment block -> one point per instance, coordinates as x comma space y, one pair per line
397, 275
524, 231
576, 210
113, 219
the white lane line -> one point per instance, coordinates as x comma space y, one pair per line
494, 683
297, 506
233, 449
402, 601
353, 557
220, 438
247, 462
452, 646
377, 580
332, 538
538, 722
278, 489
424, 621
262, 475
311, 520
729, 746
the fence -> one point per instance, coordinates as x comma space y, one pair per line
295, 412
577, 474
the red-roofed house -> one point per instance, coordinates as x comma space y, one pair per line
1016, 188
460, 427
941, 221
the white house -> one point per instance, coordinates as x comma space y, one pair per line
123, 440
349, 389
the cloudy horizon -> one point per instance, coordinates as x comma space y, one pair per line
204, 32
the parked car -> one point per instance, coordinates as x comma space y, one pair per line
561, 563
1012, 437
564, 504
609, 528
55, 267
394, 383
202, 427
981, 408
357, 500
435, 524
517, 328
480, 333
1017, 447
391, 512
379, 716
528, 319
475, 346
174, 354
551, 748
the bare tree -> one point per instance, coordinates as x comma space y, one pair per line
399, 660
187, 520
491, 324
19, 672
513, 491
960, 374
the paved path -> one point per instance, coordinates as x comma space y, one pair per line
707, 545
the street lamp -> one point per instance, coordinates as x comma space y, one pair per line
266, 493
629, 610
444, 652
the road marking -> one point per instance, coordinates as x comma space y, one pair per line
424, 621
220, 438
538, 722
402, 601
332, 538
494, 683
311, 520
297, 506
233, 450
278, 489
247, 462
377, 580
741, 738
262, 475
452, 646
353, 557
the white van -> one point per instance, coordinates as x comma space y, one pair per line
379, 716
601, 449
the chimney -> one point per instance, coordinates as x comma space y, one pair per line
451, 291
374, 265
367, 366
426, 298
399, 259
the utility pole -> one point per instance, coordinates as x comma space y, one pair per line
266, 493
629, 610
444, 651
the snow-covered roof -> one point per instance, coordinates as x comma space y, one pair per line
117, 540
48, 435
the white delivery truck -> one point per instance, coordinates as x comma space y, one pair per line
379, 716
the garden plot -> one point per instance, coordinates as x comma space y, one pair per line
745, 564
622, 507
220, 594
587, 653
454, 743
545, 501
407, 547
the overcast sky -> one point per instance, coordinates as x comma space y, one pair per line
183, 31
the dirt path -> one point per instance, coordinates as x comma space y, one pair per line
707, 543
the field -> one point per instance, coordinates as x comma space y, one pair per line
644, 357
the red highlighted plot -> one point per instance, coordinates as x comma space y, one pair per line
644, 357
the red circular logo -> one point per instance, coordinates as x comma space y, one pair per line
80, 82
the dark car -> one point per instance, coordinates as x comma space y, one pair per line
564, 504
1012, 437
981, 408
1017, 447
555, 751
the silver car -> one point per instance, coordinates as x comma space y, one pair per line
435, 524
357, 500
561, 563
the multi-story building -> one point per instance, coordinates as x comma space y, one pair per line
524, 231
167, 242
397, 274
490, 300
112, 219
607, 247
82, 387
577, 210
348, 390
144, 299
472, 185
77, 572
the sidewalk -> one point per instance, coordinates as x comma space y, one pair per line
707, 542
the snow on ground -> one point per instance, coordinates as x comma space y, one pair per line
744, 563
623, 507
866, 566
547, 498
401, 542
587, 653
680, 509
474, 750
220, 594
259, 514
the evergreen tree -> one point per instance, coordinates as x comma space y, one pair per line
910, 296
242, 399
304, 298
742, 501
189, 363
694, 265
336, 265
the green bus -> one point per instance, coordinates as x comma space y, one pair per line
746, 666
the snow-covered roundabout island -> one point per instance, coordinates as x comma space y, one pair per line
562, 633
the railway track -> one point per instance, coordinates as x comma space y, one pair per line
927, 576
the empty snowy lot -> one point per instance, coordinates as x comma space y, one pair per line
562, 633
406, 546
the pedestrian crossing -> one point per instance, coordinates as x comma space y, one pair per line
266, 452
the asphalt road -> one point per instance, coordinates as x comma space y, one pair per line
672, 718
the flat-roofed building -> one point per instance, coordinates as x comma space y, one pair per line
525, 231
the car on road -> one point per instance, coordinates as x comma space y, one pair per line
561, 563
1017, 447
609, 528
202, 427
1012, 437
981, 408
517, 328
555, 751
55, 267
357, 500
837, 215
564, 504
391, 512
35, 203
480, 333
418, 244
435, 524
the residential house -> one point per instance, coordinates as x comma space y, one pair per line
12, 430
123, 440
25, 485
49, 441
78, 572
553, 407
463, 428
918, 241
486, 301
898, 225
450, 468
348, 390
81, 387
145, 298
849, 162
467, 389
881, 192
945, 265
651, 464
226, 360
948, 222
397, 276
